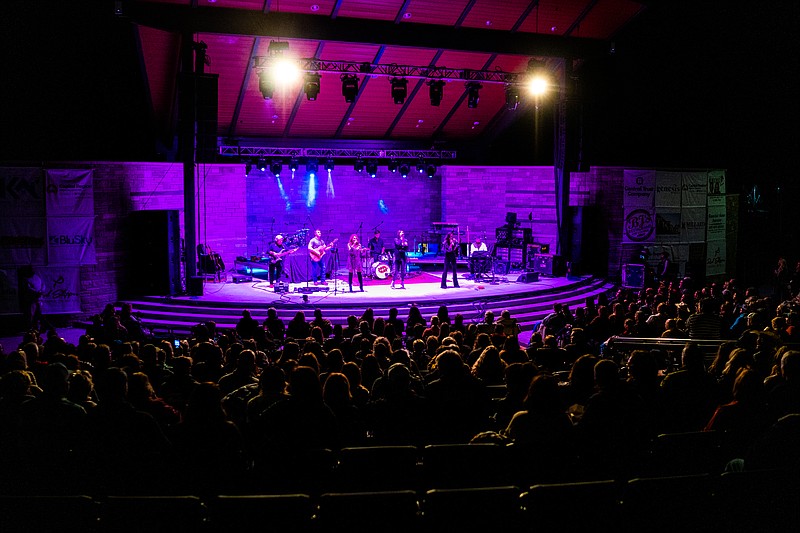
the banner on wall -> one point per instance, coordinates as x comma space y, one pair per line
640, 188
23, 241
639, 225
61, 289
668, 189
716, 258
9, 291
21, 192
70, 240
69, 193
717, 219
693, 224
694, 185
716, 182
668, 224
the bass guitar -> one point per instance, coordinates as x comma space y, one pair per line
278, 256
317, 253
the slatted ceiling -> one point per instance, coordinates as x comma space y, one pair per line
233, 4
303, 6
374, 111
510, 63
455, 59
183, 2
229, 58
370, 9
603, 20
421, 109
333, 51
407, 56
321, 118
553, 16
435, 11
462, 124
501, 18
160, 51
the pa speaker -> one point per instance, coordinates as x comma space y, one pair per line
502, 267
195, 286
633, 276
528, 277
549, 265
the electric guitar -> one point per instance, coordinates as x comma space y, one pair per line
278, 256
317, 253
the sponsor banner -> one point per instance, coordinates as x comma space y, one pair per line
23, 241
61, 285
716, 258
716, 182
640, 188
668, 189
717, 219
70, 240
9, 291
69, 193
21, 192
639, 225
693, 224
668, 224
694, 189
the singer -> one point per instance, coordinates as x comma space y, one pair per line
450, 247
400, 249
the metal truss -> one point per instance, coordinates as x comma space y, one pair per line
261, 63
333, 153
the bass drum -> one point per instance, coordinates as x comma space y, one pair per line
380, 270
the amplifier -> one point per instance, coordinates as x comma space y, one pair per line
633, 276
548, 264
502, 234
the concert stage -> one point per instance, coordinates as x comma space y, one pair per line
224, 302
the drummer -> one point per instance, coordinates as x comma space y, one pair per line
376, 246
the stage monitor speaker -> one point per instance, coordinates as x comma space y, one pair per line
633, 276
195, 286
528, 277
502, 267
548, 264
155, 252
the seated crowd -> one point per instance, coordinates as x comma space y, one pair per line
228, 411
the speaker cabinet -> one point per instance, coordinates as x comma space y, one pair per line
155, 253
501, 268
528, 277
195, 286
199, 111
548, 264
633, 276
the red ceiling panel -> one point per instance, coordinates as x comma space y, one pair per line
308, 7
434, 11
509, 63
603, 20
230, 58
467, 123
184, 2
370, 9
349, 52
234, 4
487, 14
161, 51
553, 16
321, 118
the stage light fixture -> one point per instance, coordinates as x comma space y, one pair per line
473, 94
372, 168
265, 84
405, 168
430, 169
329, 165
349, 87
512, 97
537, 77
436, 91
311, 167
248, 168
392, 166
285, 72
358, 166
421, 165
261, 164
275, 167
399, 89
311, 85
294, 163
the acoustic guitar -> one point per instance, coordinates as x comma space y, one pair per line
278, 256
317, 253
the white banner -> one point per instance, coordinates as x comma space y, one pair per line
694, 189
693, 224
23, 241
69, 193
639, 225
61, 285
21, 192
668, 224
716, 182
640, 187
716, 258
717, 219
71, 240
668, 189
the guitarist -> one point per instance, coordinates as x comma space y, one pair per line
316, 250
276, 251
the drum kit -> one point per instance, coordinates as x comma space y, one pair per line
298, 238
379, 267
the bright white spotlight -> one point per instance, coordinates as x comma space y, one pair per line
537, 85
285, 72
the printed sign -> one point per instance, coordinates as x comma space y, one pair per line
69, 193
668, 189
640, 188
639, 225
